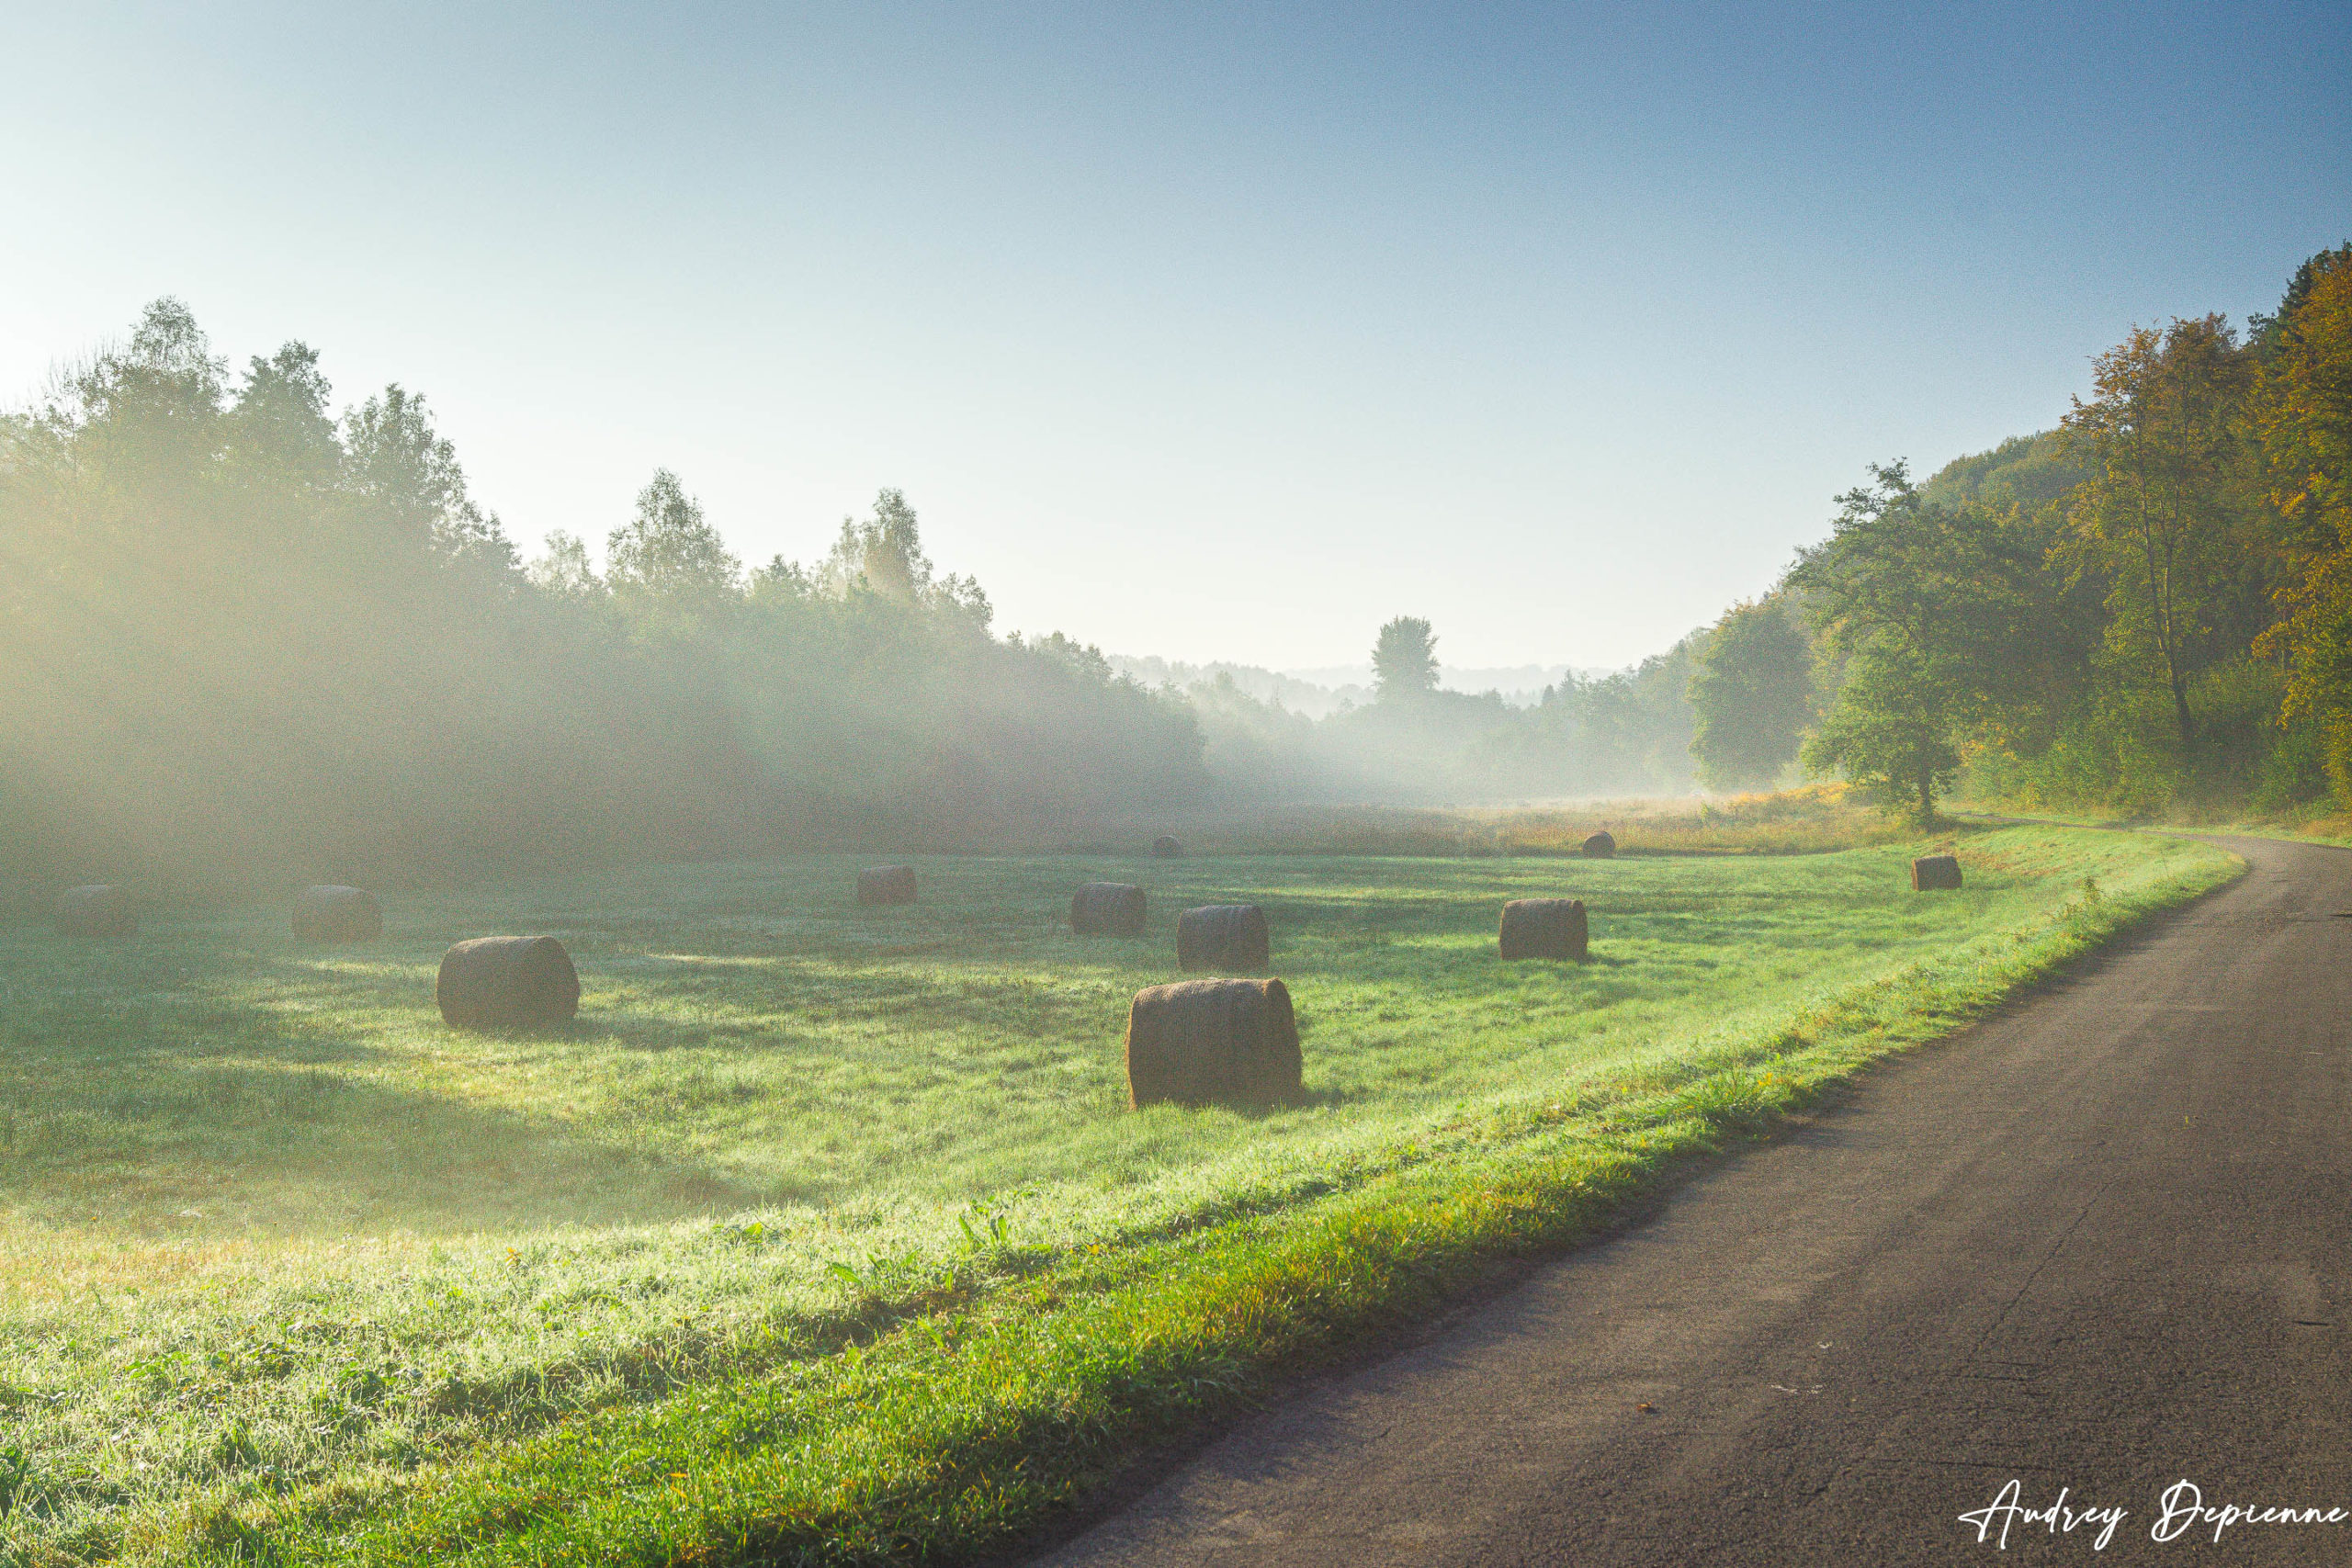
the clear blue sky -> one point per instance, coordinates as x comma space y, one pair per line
1192, 331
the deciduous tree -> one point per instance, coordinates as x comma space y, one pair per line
2166, 521
1751, 695
2303, 413
1404, 661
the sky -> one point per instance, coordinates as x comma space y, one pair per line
1198, 331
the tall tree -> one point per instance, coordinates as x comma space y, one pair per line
1404, 661
280, 421
1751, 695
1939, 611
1892, 728
2166, 521
406, 474
882, 552
150, 410
668, 553
2303, 412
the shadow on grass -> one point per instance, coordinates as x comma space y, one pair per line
265, 1117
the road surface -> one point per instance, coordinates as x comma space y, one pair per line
2101, 1242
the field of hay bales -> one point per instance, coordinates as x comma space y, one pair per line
293, 1271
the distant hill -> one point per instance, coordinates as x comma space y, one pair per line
1319, 693
1311, 698
1521, 685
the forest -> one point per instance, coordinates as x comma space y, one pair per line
250, 642
2145, 611
253, 642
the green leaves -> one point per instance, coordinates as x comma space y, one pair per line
1751, 695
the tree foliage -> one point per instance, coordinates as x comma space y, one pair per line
1404, 661
2164, 520
2304, 419
1913, 594
2151, 605
1751, 695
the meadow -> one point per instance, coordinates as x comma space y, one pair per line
294, 1273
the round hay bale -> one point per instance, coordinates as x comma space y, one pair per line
508, 981
100, 911
330, 913
886, 885
1935, 874
1107, 909
1222, 936
1165, 848
1543, 927
1600, 846
1208, 1042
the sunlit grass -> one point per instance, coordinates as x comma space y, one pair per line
1800, 821
271, 1232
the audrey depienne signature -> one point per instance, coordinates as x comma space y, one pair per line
2181, 1513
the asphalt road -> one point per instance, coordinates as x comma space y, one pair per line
2101, 1242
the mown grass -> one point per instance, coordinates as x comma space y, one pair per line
825, 1234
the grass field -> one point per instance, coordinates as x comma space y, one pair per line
1815, 818
825, 1234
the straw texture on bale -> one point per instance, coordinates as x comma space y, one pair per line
1222, 936
1543, 927
1934, 873
103, 910
508, 981
1166, 848
1107, 909
886, 885
327, 913
1206, 1042
1600, 846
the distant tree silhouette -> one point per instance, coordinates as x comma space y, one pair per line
1404, 662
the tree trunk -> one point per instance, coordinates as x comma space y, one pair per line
1927, 796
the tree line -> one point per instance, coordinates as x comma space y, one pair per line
1628, 733
248, 640
2147, 608
251, 640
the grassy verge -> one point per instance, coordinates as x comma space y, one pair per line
827, 1239
2307, 827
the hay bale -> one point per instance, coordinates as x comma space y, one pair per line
1107, 909
1545, 927
330, 913
1600, 846
1222, 936
886, 885
1202, 1041
508, 981
1165, 848
101, 910
1933, 874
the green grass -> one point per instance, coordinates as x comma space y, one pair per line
2316, 823
825, 1234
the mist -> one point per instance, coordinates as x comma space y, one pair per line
256, 643
252, 644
